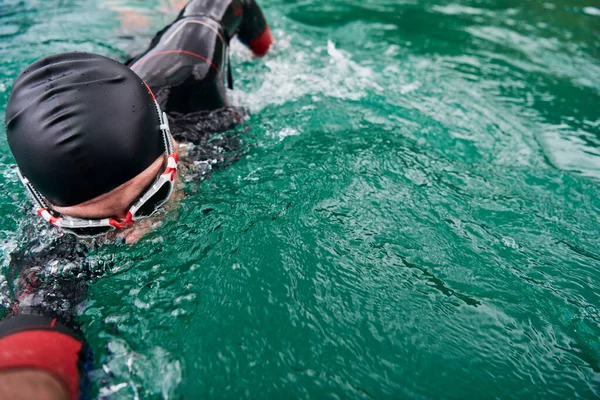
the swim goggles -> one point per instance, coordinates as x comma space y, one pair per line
152, 199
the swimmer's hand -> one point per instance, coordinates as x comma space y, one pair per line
139, 229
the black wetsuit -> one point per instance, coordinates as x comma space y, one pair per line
186, 64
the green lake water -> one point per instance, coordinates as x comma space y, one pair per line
417, 214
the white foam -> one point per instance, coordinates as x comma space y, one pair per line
295, 75
592, 11
285, 132
510, 242
456, 9
164, 374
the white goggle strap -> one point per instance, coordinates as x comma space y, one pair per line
164, 128
33, 193
42, 207
172, 163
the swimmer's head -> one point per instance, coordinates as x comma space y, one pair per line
79, 125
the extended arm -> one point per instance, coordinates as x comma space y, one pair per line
254, 30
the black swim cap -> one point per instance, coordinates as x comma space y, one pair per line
79, 125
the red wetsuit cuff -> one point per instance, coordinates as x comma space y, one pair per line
261, 44
51, 351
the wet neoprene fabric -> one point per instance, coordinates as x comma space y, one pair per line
79, 125
186, 61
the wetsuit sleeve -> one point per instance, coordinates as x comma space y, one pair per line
254, 30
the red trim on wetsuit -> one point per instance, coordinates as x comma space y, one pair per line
261, 44
53, 352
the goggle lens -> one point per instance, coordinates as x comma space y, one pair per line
153, 204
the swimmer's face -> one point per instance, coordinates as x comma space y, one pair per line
116, 202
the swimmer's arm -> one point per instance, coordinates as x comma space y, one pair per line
42, 358
31, 383
254, 30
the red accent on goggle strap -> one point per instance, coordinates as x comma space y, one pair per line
121, 225
172, 170
53, 220
261, 44
238, 11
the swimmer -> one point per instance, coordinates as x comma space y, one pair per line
95, 145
